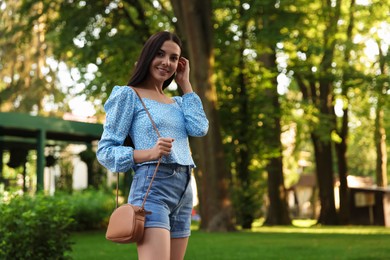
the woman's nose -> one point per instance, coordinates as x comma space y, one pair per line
165, 61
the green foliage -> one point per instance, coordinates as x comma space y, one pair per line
101, 39
246, 84
35, 228
65, 180
27, 78
39, 227
361, 148
90, 209
248, 199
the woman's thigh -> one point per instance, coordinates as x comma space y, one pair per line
156, 242
178, 248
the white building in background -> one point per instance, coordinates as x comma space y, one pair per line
49, 178
80, 174
80, 169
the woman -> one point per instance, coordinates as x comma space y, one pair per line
167, 229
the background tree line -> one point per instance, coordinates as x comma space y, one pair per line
277, 78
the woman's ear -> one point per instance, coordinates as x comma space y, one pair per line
179, 65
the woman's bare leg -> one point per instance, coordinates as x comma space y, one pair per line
178, 248
155, 244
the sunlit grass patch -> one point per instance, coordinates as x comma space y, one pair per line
311, 226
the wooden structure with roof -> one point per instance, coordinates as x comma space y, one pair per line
25, 132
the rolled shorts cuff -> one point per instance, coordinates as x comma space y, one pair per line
154, 224
180, 234
174, 234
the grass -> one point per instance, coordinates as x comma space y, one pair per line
293, 242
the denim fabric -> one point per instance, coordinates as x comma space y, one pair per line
169, 199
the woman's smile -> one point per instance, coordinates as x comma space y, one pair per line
163, 70
166, 61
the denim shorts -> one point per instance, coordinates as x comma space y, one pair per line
169, 199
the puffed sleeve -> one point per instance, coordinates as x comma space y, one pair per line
119, 114
195, 118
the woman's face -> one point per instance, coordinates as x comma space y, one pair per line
165, 62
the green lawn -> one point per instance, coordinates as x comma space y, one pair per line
261, 243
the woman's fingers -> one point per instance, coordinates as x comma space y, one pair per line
164, 146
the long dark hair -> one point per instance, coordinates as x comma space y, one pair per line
149, 51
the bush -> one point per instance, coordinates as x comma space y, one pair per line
35, 228
91, 209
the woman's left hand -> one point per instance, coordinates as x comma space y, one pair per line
183, 75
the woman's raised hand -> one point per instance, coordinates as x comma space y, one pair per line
162, 147
183, 75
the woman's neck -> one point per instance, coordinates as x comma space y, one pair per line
153, 85
154, 92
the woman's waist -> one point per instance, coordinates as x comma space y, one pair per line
166, 166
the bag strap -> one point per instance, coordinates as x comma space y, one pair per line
159, 159
158, 134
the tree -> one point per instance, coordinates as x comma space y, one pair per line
316, 85
212, 176
353, 75
268, 24
239, 105
373, 67
28, 78
342, 127
380, 83
382, 86
329, 69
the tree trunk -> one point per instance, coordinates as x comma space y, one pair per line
323, 147
325, 181
341, 147
341, 151
212, 175
380, 144
246, 214
277, 213
318, 90
245, 199
380, 131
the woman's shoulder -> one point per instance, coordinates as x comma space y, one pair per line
120, 95
122, 91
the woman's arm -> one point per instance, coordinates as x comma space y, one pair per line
119, 114
191, 105
195, 118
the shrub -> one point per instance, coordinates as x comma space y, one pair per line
91, 209
35, 228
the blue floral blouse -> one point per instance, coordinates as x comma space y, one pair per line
125, 115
